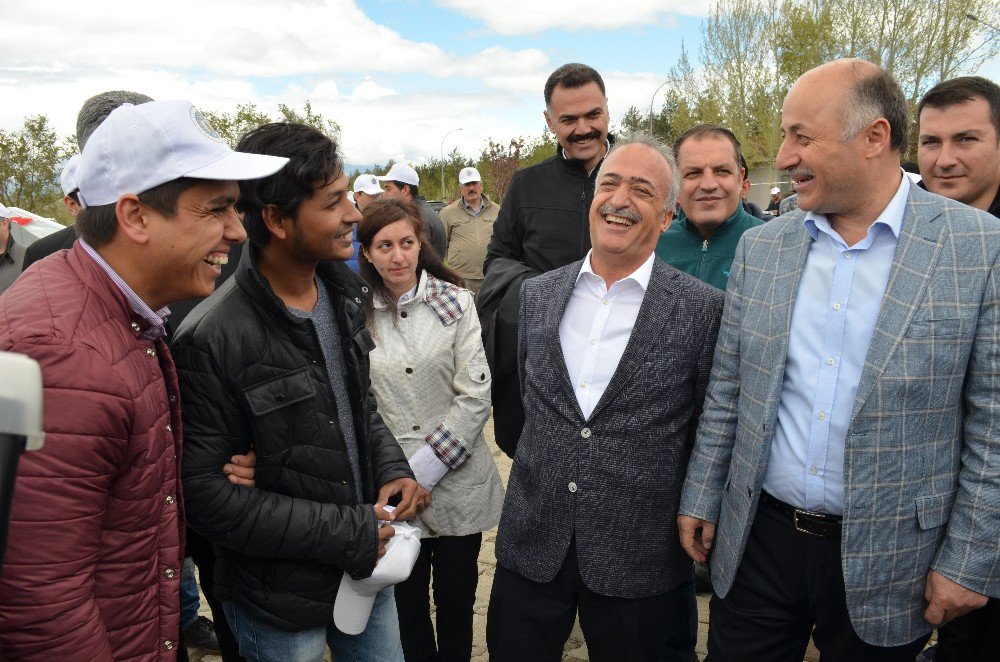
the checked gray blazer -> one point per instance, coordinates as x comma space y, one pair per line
922, 460
612, 480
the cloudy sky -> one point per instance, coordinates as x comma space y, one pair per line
397, 75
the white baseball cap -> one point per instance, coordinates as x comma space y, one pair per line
466, 175
140, 147
357, 596
775, 190
400, 172
367, 184
68, 177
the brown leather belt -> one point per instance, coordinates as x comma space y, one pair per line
820, 525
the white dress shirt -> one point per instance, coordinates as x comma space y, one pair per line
596, 326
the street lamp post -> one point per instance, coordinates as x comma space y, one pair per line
651, 105
973, 17
442, 159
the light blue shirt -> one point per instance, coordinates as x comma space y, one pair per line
838, 300
474, 212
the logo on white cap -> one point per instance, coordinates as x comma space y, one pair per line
467, 175
367, 184
201, 122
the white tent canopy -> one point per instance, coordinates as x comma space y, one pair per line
27, 228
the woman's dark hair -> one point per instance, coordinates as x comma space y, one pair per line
386, 211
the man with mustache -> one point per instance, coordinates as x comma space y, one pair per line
614, 355
703, 239
542, 225
845, 471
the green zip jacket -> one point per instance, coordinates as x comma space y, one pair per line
707, 260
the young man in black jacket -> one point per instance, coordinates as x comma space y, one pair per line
278, 360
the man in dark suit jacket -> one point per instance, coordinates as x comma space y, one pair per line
614, 354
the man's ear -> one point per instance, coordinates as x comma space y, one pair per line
276, 221
131, 216
668, 217
548, 121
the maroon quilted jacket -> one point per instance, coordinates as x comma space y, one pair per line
94, 552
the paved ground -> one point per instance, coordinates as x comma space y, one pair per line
576, 649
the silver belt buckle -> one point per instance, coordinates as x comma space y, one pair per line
795, 521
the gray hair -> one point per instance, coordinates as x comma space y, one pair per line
98, 107
876, 94
647, 139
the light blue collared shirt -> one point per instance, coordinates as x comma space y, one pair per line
474, 212
839, 297
157, 328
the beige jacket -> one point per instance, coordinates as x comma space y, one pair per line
468, 236
429, 374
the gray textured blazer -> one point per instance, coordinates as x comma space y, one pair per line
922, 461
626, 461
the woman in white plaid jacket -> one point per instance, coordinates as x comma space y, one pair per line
432, 383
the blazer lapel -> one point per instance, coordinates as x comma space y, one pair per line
559, 301
916, 255
658, 306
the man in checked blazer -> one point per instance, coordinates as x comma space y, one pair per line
614, 354
845, 474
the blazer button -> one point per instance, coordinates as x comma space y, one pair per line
585, 433
572, 487
416, 428
279, 397
409, 371
403, 314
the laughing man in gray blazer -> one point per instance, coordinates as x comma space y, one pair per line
614, 357
845, 475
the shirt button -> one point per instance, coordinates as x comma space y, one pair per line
585, 433
151, 352
830, 361
583, 384
814, 470
409, 371
821, 416
593, 341
605, 301
168, 645
572, 487
836, 306
847, 256
169, 499
168, 573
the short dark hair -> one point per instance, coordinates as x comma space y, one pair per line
872, 96
571, 76
701, 130
414, 188
97, 224
947, 93
313, 163
97, 108
386, 211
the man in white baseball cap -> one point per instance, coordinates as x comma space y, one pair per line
67, 180
772, 208
366, 189
402, 182
468, 227
94, 559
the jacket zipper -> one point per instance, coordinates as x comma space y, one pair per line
704, 253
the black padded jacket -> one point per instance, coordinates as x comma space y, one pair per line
252, 374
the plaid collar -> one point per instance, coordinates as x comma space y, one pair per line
442, 297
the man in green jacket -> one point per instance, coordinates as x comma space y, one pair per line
703, 238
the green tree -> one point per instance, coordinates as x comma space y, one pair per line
31, 160
247, 117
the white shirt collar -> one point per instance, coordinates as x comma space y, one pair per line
640, 276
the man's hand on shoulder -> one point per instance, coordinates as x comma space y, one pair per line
947, 600
696, 537
407, 489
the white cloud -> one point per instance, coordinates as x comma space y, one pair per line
531, 16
